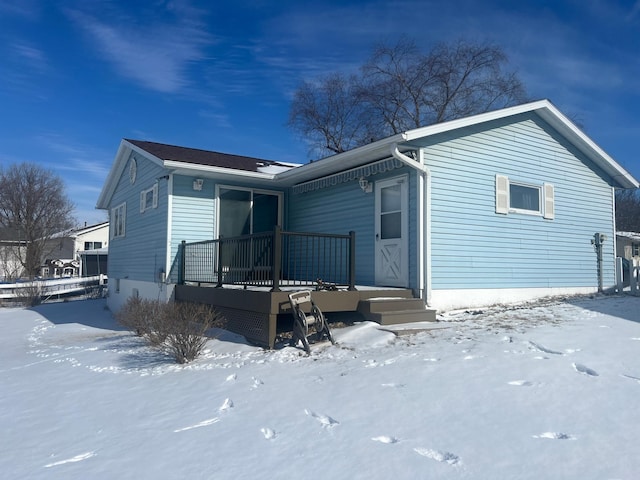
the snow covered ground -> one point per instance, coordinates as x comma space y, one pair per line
541, 391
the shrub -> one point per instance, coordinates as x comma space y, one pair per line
179, 329
29, 294
188, 324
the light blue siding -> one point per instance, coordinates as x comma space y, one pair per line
141, 253
193, 215
341, 209
194, 212
473, 247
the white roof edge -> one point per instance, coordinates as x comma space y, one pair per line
109, 184
204, 169
429, 130
551, 115
327, 163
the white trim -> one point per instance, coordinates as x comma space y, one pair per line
144, 206
549, 201
526, 211
546, 198
451, 299
168, 260
146, 290
502, 194
114, 224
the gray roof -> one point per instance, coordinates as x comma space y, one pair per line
202, 157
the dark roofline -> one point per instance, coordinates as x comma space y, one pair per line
201, 157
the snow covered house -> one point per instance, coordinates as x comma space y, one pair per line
64, 250
628, 244
496, 207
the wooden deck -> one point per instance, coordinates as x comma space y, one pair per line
255, 313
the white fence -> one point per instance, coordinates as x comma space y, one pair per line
52, 288
634, 276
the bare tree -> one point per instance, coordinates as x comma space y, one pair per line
628, 210
328, 113
33, 204
400, 88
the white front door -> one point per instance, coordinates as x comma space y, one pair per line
392, 242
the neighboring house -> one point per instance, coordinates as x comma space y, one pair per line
64, 251
628, 244
496, 207
12, 248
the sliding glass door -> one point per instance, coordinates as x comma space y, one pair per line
246, 211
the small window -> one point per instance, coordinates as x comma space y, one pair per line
92, 245
149, 198
635, 249
518, 197
524, 198
118, 220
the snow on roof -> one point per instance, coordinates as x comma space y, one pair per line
631, 235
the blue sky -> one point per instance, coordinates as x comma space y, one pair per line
78, 76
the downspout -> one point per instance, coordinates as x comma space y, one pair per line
424, 219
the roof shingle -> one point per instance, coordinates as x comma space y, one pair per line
201, 157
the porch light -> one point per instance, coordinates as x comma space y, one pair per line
197, 184
364, 185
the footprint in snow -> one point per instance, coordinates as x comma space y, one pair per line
228, 404
231, 377
520, 383
77, 458
542, 349
268, 433
584, 370
324, 420
631, 377
256, 382
385, 439
438, 456
555, 436
204, 423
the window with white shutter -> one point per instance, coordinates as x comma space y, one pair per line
502, 194
549, 202
519, 197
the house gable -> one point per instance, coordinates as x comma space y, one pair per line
475, 247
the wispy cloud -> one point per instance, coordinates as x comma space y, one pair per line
156, 54
28, 9
77, 158
34, 57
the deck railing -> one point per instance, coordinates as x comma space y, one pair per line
271, 259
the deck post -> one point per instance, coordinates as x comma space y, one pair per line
352, 260
219, 269
276, 265
183, 266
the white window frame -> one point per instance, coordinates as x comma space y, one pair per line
526, 211
546, 198
253, 191
118, 221
635, 249
147, 203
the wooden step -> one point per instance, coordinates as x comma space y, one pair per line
392, 311
389, 304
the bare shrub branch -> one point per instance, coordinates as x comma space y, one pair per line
179, 329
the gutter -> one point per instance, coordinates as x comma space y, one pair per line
424, 219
